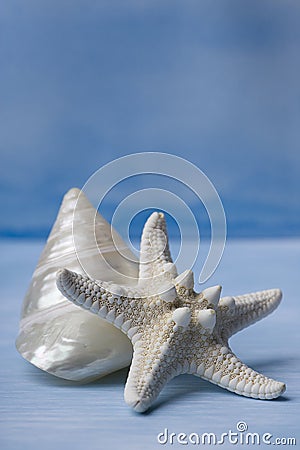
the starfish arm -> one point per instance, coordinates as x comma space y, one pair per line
150, 370
223, 368
239, 312
155, 257
107, 300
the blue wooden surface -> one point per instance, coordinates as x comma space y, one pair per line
39, 411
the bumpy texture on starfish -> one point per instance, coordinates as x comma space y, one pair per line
173, 329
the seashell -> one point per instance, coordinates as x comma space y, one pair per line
55, 335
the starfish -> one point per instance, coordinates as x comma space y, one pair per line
173, 329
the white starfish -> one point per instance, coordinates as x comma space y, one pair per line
173, 329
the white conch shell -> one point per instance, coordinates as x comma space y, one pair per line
56, 335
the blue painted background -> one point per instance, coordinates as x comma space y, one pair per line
83, 82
